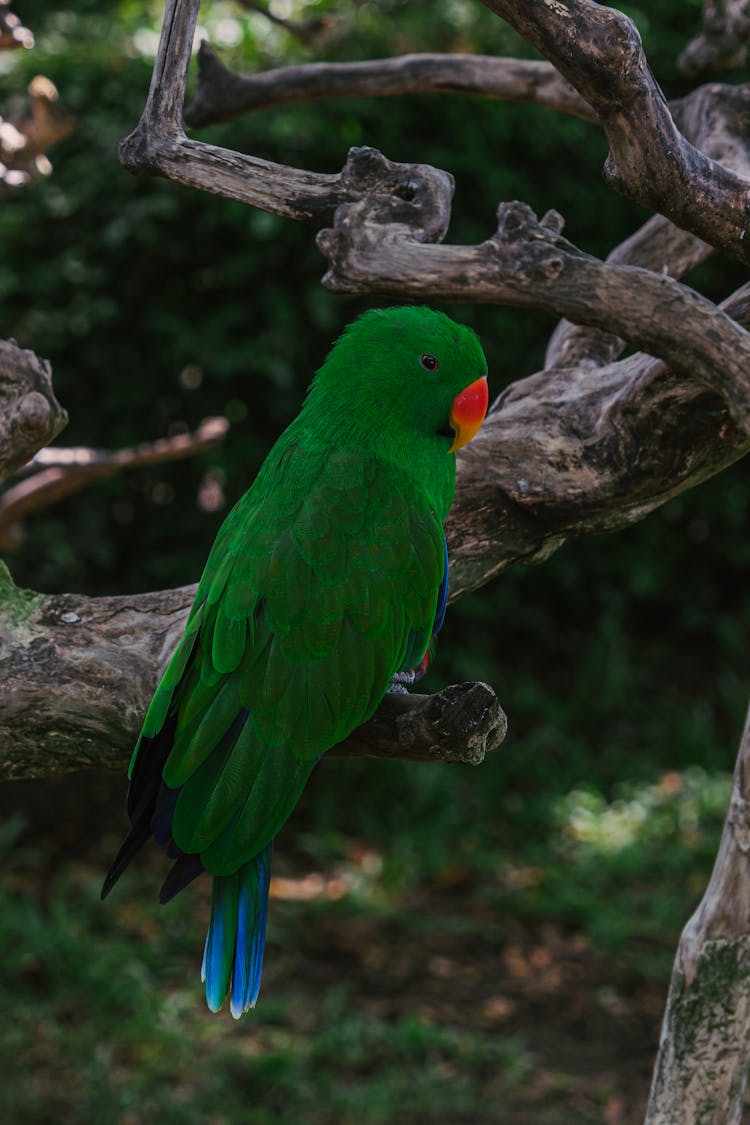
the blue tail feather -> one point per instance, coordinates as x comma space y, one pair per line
233, 954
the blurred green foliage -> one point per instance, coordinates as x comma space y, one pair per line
622, 661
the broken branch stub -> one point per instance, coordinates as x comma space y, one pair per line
30, 415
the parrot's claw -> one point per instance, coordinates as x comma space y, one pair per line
402, 681
399, 681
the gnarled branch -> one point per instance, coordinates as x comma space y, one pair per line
598, 50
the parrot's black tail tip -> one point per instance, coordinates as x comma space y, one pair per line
108, 884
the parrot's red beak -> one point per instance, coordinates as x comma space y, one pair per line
468, 411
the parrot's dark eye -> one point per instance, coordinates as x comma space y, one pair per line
429, 362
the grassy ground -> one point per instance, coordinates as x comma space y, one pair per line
502, 987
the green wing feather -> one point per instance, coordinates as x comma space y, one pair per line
322, 580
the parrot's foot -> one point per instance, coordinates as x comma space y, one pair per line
402, 681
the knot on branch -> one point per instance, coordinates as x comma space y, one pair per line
460, 724
622, 41
416, 195
139, 152
517, 222
30, 415
535, 245
390, 202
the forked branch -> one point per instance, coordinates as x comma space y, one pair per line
598, 50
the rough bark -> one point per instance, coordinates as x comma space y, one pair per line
701, 1069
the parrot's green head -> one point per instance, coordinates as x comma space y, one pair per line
408, 374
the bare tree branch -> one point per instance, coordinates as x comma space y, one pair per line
68, 471
701, 1069
659, 246
158, 146
528, 263
381, 240
77, 674
222, 94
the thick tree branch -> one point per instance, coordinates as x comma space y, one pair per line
565, 454
701, 1069
659, 246
222, 94
713, 118
77, 674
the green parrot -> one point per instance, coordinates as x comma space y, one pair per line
323, 589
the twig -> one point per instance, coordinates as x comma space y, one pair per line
71, 474
305, 31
